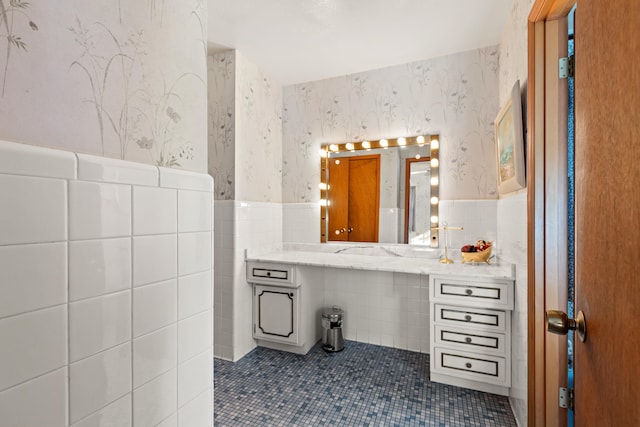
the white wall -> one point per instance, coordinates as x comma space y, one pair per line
106, 314
110, 78
512, 208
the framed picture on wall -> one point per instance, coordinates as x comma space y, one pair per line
510, 144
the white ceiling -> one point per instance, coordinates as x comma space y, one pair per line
294, 41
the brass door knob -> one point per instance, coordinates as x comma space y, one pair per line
558, 322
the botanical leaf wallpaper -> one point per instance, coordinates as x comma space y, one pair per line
245, 130
455, 96
117, 79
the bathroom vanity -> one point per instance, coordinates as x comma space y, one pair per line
287, 303
461, 312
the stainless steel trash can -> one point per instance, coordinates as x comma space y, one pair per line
332, 339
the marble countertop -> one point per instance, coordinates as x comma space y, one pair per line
395, 264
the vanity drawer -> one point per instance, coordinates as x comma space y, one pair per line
474, 318
488, 369
492, 294
470, 340
271, 274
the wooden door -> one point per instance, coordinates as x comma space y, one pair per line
364, 198
607, 107
354, 198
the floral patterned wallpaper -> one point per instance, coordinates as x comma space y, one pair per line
222, 120
111, 78
455, 96
245, 135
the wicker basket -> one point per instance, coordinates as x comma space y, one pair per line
482, 256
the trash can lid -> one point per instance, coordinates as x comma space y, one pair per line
334, 314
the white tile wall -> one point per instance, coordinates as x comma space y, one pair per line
512, 233
39, 402
38, 211
25, 288
389, 309
301, 222
477, 217
99, 380
92, 290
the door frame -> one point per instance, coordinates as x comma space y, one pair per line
407, 182
542, 409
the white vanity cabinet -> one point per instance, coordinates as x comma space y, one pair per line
470, 327
287, 303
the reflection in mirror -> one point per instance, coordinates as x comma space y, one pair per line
364, 196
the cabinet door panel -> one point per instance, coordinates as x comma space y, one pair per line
276, 314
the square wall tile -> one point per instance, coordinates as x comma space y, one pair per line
194, 376
198, 412
194, 335
194, 252
154, 211
99, 380
115, 414
25, 288
155, 258
170, 421
32, 344
154, 354
34, 210
156, 400
39, 402
97, 324
99, 210
194, 294
194, 211
98, 267
154, 306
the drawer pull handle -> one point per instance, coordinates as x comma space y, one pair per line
468, 340
469, 292
467, 318
468, 365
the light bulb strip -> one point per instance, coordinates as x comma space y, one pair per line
419, 140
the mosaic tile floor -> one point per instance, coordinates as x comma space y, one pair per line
363, 385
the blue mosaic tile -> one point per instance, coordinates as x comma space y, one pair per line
363, 385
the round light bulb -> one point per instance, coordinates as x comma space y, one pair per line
420, 139
402, 141
349, 146
366, 144
434, 200
333, 147
337, 162
384, 143
434, 219
435, 163
417, 156
323, 152
322, 185
434, 180
435, 144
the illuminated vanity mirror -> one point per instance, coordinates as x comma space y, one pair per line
383, 191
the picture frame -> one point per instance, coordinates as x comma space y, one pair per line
509, 141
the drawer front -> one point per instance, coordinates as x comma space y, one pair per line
271, 274
475, 318
470, 340
489, 369
472, 292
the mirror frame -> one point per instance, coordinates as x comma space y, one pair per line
419, 140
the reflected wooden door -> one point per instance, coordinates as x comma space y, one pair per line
354, 198
364, 198
607, 364
338, 208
